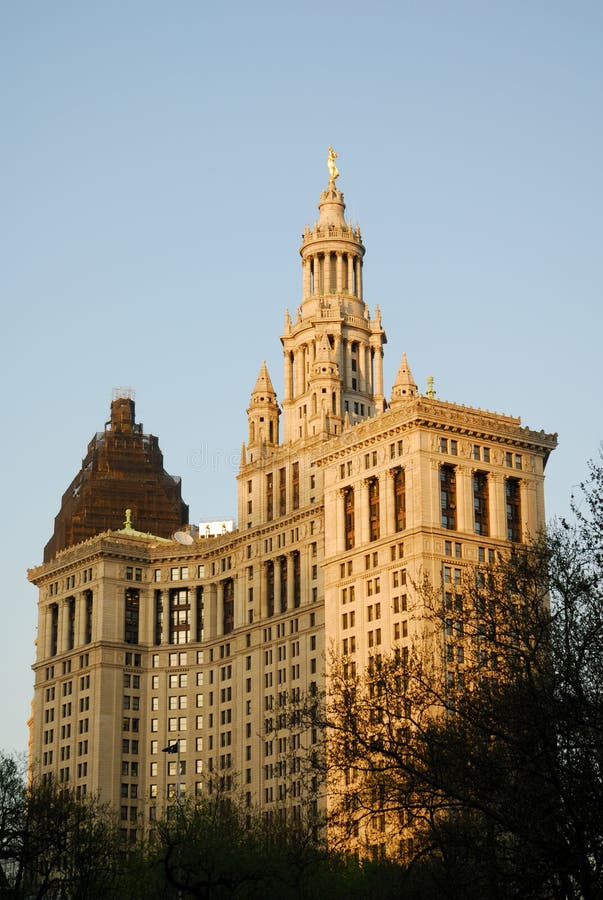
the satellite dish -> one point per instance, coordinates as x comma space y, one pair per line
183, 537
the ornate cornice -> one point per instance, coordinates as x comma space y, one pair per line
444, 416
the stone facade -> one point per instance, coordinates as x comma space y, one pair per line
146, 643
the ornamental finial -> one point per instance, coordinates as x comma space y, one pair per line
333, 170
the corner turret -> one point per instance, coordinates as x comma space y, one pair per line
263, 414
404, 386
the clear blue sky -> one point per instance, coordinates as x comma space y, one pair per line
159, 162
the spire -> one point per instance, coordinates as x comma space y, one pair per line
325, 361
349, 372
263, 412
263, 384
404, 386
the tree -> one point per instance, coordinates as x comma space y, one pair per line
12, 805
214, 848
483, 747
69, 846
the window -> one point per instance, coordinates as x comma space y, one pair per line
348, 503
179, 617
399, 499
88, 617
228, 606
282, 492
131, 615
448, 496
269, 496
513, 507
295, 485
373, 492
480, 503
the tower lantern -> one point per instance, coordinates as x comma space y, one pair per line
332, 307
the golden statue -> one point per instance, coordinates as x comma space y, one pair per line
333, 170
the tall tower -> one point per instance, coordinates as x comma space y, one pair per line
262, 415
333, 351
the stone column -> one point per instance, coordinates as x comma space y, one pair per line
80, 620
527, 501
348, 365
330, 501
306, 278
192, 614
211, 610
368, 369
378, 372
64, 625
277, 585
290, 582
304, 575
165, 616
145, 621
340, 521
304, 357
339, 271
350, 273
464, 499
361, 366
361, 512
297, 377
219, 608
288, 375
339, 355
359, 278
387, 507
47, 632
436, 504
497, 511
263, 598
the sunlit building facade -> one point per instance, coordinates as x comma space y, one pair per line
201, 644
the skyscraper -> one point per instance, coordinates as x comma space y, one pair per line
145, 641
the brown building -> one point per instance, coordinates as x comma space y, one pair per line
123, 469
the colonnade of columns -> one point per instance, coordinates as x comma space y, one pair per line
335, 512
464, 507
320, 276
368, 373
496, 501
64, 630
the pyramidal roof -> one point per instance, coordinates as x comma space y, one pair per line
404, 386
263, 384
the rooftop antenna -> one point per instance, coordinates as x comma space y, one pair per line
183, 537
